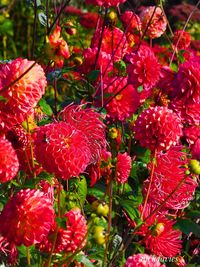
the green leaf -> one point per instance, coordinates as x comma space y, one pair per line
3, 99
188, 226
45, 107
93, 75
128, 206
82, 189
96, 192
82, 258
6, 28
195, 214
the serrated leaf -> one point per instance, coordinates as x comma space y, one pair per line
42, 18
93, 75
188, 226
82, 189
83, 259
45, 107
127, 205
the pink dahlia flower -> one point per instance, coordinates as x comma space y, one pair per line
62, 149
89, 123
27, 218
143, 260
113, 42
23, 94
105, 3
9, 163
144, 69
158, 24
130, 21
159, 236
123, 99
158, 128
181, 40
170, 167
123, 167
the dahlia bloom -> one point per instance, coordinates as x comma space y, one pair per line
24, 94
170, 167
125, 103
192, 134
181, 40
57, 48
144, 69
20, 220
105, 3
18, 137
158, 22
9, 163
89, 123
123, 168
143, 260
159, 236
186, 97
62, 149
76, 226
113, 42
187, 82
70, 238
130, 21
102, 63
89, 20
158, 128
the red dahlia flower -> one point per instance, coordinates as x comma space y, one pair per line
27, 218
105, 3
187, 82
125, 103
22, 95
143, 260
144, 69
158, 23
158, 128
181, 40
113, 42
9, 163
170, 167
8, 251
62, 149
102, 63
70, 238
76, 226
89, 123
130, 21
123, 167
89, 20
159, 236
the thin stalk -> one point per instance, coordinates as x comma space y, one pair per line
28, 256
186, 23
34, 29
150, 183
56, 231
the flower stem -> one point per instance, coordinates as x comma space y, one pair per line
28, 256
150, 183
